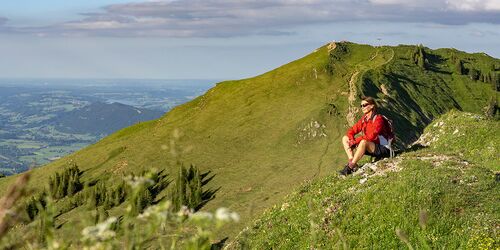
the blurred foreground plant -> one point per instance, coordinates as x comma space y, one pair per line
157, 225
8, 210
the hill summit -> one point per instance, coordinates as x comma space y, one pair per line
259, 138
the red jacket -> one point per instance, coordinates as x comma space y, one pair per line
370, 126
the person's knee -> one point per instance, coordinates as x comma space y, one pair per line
345, 138
363, 142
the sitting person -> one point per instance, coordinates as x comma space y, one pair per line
372, 142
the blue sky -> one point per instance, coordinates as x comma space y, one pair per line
221, 39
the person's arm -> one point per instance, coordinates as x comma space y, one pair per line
373, 131
351, 132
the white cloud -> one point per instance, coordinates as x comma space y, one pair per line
456, 5
416, 3
474, 5
219, 18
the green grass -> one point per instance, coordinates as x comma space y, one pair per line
468, 135
459, 200
255, 136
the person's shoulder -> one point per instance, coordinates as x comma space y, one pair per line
379, 118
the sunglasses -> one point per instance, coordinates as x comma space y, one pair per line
364, 105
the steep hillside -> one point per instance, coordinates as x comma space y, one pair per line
263, 136
444, 195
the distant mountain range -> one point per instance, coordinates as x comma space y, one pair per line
101, 118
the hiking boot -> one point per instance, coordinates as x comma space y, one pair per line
354, 167
346, 171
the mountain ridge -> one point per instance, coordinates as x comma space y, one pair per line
262, 136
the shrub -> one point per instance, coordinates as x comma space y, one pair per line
187, 189
65, 183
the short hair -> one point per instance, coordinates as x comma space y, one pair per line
370, 100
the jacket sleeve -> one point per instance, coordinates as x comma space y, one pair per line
351, 132
373, 130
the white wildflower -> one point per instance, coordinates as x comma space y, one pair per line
136, 181
160, 211
235, 217
100, 232
223, 214
285, 206
184, 212
201, 216
55, 245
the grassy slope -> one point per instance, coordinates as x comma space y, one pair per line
452, 180
256, 135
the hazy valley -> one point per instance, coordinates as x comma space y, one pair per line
43, 120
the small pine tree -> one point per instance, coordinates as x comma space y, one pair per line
179, 198
52, 186
495, 81
65, 183
92, 198
415, 54
140, 200
197, 192
459, 68
419, 57
71, 186
486, 77
34, 204
101, 215
119, 194
188, 188
421, 62
61, 189
492, 108
76, 181
145, 199
474, 74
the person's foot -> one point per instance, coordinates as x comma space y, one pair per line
354, 166
349, 168
346, 171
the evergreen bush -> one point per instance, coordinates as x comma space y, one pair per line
187, 190
65, 183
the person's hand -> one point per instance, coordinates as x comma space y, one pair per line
352, 143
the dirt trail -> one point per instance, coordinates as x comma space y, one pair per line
353, 109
